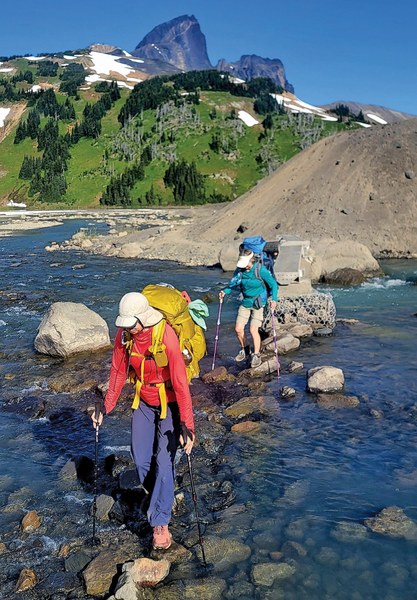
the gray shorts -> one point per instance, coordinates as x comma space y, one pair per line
256, 315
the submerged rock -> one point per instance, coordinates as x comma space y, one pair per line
246, 427
347, 531
224, 552
209, 588
337, 401
266, 573
393, 521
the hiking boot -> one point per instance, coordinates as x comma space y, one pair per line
243, 354
162, 539
256, 360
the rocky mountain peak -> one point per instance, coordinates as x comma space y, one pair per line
250, 66
179, 42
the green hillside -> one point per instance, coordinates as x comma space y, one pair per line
172, 140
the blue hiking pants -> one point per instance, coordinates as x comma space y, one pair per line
154, 444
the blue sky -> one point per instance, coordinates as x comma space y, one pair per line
357, 50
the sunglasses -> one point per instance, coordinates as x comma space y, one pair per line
134, 325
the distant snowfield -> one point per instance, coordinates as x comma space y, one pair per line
104, 63
68, 57
34, 57
247, 118
35, 88
376, 118
6, 70
366, 125
3, 114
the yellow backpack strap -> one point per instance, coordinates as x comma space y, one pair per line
139, 383
157, 349
162, 399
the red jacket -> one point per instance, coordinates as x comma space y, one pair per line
174, 372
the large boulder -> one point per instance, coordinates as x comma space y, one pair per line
329, 255
69, 328
228, 256
325, 379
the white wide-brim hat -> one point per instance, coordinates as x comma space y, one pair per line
244, 260
135, 307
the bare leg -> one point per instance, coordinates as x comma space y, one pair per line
254, 331
240, 334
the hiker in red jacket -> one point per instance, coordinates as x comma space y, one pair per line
162, 416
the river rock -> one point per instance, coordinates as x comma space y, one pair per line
299, 330
69, 328
99, 574
76, 561
246, 427
176, 553
69, 470
293, 549
344, 277
250, 405
104, 504
58, 583
330, 401
208, 588
30, 522
266, 573
347, 531
392, 521
130, 250
27, 580
228, 257
287, 392
325, 379
142, 572
267, 367
218, 374
224, 552
295, 366
285, 344
330, 254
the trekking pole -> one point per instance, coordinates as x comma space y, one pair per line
200, 536
274, 333
216, 339
95, 540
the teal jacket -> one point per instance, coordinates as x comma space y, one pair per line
251, 287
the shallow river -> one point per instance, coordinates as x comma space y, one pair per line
308, 471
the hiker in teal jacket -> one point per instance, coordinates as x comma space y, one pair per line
252, 281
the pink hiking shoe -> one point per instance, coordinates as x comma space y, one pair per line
162, 539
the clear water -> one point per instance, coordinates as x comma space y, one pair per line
306, 471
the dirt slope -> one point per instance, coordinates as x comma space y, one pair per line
359, 185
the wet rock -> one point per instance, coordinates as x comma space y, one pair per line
330, 401
117, 463
344, 277
176, 553
218, 374
250, 405
69, 470
58, 583
129, 480
76, 561
323, 332
377, 414
347, 531
327, 556
266, 573
257, 386
298, 330
69, 328
71, 382
325, 379
295, 366
393, 522
104, 504
295, 493
30, 522
209, 588
222, 553
246, 427
267, 367
100, 572
241, 589
27, 580
293, 550
276, 555
3, 548
287, 392
142, 572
